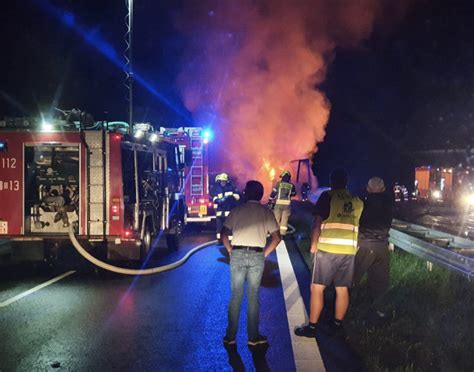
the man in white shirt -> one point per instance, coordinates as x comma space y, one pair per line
249, 224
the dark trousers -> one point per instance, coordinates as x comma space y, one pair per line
373, 258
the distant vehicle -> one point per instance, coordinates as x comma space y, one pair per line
118, 188
445, 184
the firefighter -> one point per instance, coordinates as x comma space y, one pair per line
305, 189
280, 197
225, 196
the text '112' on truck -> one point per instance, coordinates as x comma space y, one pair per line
119, 188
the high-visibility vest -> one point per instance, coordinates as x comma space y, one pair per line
340, 230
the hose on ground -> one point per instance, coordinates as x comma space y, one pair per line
125, 271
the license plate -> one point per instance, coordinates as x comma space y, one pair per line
203, 210
3, 227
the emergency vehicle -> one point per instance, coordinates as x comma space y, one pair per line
445, 184
194, 141
118, 188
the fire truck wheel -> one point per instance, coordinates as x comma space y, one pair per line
147, 242
172, 242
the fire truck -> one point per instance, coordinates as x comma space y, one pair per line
194, 143
118, 188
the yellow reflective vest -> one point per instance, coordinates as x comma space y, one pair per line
340, 230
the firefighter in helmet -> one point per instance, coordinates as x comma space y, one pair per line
225, 196
280, 197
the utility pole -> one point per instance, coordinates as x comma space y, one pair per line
129, 63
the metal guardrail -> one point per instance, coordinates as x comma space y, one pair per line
443, 249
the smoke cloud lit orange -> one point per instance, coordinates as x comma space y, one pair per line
252, 70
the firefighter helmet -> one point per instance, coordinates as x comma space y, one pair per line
285, 176
222, 177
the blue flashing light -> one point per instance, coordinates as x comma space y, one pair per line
207, 135
3, 146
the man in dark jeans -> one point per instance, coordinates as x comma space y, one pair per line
373, 256
249, 224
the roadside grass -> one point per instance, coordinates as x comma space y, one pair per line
429, 326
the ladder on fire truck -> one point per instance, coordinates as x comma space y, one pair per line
96, 176
197, 169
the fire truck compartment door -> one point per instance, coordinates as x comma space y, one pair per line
52, 184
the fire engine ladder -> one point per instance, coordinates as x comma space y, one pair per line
197, 177
96, 182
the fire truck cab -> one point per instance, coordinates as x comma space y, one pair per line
118, 189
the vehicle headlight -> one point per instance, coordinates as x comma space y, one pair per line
469, 199
436, 194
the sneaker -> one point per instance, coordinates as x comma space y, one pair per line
305, 331
228, 341
260, 340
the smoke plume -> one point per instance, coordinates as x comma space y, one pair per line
252, 71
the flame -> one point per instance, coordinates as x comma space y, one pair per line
253, 69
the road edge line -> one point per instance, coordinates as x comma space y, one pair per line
305, 350
34, 289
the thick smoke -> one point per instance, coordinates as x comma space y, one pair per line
252, 71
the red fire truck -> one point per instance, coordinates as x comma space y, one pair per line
118, 188
195, 143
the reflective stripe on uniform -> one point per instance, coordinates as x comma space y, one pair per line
220, 195
218, 235
236, 196
215, 198
219, 213
228, 193
338, 241
282, 202
226, 213
283, 227
342, 226
215, 206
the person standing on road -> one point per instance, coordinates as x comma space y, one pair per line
280, 197
373, 256
249, 224
333, 246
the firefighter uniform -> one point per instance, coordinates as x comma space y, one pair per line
225, 196
280, 197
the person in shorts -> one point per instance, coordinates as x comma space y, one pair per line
333, 246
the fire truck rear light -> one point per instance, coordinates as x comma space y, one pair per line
115, 209
209, 204
116, 137
202, 201
127, 233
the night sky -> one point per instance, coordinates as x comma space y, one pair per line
408, 88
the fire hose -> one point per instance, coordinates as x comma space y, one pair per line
125, 271
150, 271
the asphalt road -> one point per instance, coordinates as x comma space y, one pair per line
171, 321
450, 219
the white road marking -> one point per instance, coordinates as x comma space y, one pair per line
305, 350
34, 289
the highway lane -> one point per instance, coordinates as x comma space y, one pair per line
450, 219
172, 321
